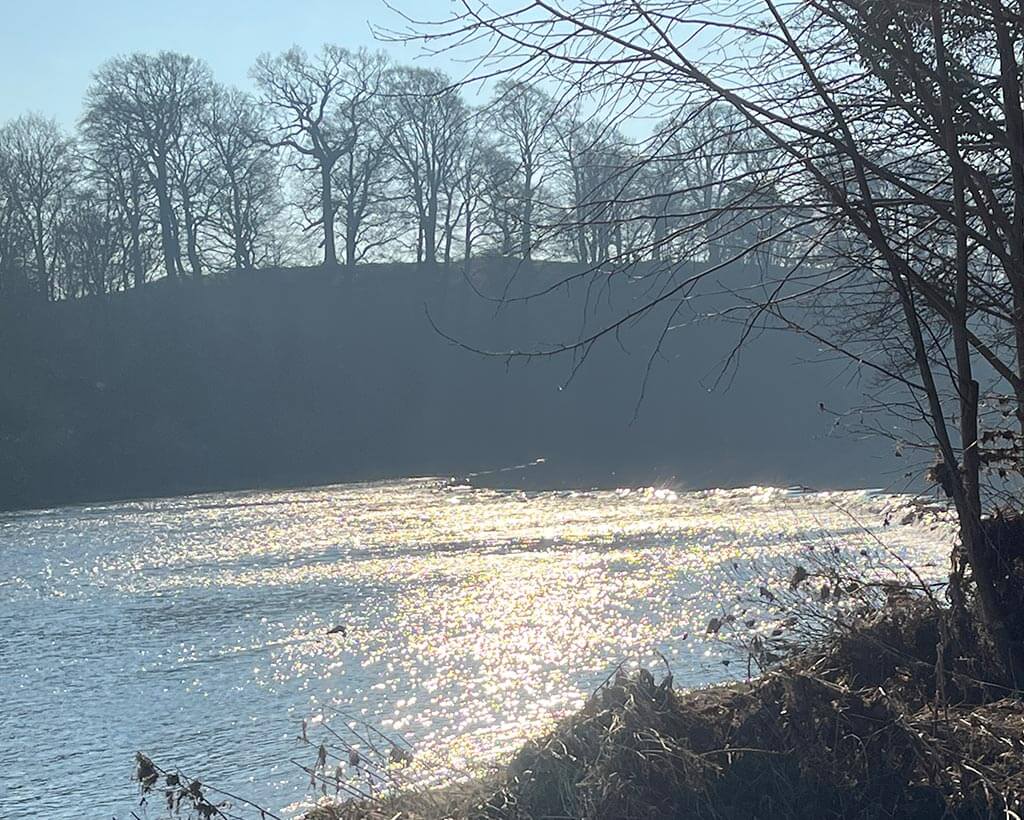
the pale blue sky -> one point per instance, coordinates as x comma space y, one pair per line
48, 50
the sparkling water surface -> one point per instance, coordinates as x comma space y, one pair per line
195, 629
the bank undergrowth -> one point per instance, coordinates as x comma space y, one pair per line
893, 719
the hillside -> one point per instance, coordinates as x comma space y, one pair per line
287, 377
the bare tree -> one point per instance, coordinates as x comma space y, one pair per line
302, 97
426, 123
601, 180
119, 178
896, 141
38, 173
10, 237
192, 168
468, 183
90, 247
522, 115
15, 246
570, 139
362, 175
245, 195
499, 201
139, 105
711, 143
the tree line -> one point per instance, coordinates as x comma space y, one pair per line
341, 157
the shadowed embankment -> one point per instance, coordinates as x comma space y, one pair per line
297, 377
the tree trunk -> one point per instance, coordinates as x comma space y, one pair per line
449, 229
658, 240
968, 499
39, 246
1009, 73
138, 271
430, 231
327, 209
240, 253
191, 239
526, 244
351, 235
168, 241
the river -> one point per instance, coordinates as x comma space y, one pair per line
197, 629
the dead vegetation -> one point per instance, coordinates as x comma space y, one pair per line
894, 719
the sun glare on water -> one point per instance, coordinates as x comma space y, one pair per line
472, 619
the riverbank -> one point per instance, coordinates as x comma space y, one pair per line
890, 719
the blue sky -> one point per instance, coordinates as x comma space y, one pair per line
48, 50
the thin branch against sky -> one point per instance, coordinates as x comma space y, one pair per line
49, 51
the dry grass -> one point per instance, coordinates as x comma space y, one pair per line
863, 727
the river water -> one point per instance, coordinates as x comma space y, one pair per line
197, 629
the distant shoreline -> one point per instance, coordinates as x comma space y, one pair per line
488, 482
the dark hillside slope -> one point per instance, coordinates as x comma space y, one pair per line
286, 377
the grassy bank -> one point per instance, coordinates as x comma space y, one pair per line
892, 718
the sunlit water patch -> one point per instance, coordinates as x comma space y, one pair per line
196, 629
